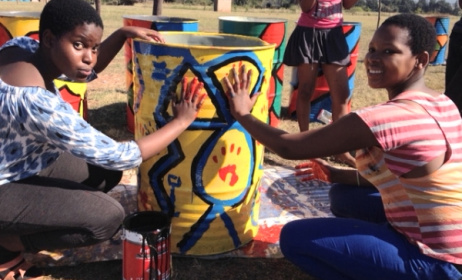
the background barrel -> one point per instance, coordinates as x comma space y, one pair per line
321, 99
159, 23
207, 180
441, 25
273, 31
15, 24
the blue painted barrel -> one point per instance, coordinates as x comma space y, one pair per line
441, 25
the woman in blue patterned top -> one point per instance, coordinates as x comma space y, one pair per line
54, 167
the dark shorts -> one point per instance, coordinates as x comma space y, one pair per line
310, 45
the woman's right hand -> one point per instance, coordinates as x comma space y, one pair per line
238, 92
187, 105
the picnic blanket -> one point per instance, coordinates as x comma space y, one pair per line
283, 199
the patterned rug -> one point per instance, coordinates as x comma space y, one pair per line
283, 199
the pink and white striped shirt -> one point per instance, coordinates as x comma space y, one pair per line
427, 210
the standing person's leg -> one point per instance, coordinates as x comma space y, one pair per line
337, 79
307, 74
336, 248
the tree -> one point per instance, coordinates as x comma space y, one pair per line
98, 6
157, 7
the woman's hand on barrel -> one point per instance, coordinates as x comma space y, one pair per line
240, 102
143, 33
187, 105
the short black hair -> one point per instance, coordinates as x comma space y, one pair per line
422, 34
62, 16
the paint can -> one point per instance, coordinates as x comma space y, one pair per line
146, 246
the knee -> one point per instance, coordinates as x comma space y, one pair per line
336, 198
108, 221
287, 240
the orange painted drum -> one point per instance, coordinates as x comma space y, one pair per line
207, 180
146, 246
321, 98
16, 24
159, 23
441, 25
273, 31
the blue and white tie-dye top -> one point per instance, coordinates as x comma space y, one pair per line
37, 125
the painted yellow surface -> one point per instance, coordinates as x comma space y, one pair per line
208, 179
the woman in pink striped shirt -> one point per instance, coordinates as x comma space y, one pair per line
399, 214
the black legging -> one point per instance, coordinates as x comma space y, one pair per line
62, 207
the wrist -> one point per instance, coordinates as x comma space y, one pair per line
243, 116
182, 123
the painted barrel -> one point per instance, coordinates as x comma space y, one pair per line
16, 24
75, 93
207, 180
441, 25
271, 30
321, 98
159, 23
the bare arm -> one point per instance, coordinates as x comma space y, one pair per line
306, 5
347, 4
112, 45
346, 134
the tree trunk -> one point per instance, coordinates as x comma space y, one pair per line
98, 6
157, 8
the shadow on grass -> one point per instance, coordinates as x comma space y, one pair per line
190, 268
111, 120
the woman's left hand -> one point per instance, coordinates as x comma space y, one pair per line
143, 33
315, 169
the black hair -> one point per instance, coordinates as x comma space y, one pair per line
62, 16
422, 34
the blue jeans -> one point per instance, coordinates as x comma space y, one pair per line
352, 248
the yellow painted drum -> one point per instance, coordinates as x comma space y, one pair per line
15, 24
207, 180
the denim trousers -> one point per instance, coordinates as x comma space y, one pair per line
358, 243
